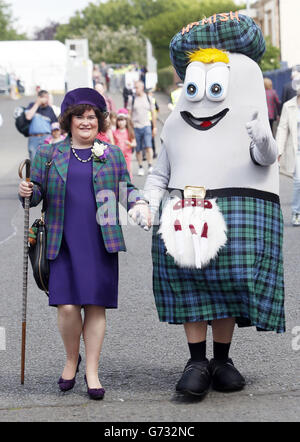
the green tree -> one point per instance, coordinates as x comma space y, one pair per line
7, 32
122, 46
271, 58
162, 28
116, 13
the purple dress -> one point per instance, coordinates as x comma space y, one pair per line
83, 273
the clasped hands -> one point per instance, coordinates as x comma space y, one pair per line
141, 214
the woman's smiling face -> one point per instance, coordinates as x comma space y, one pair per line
84, 128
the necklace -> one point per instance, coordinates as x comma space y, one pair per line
77, 157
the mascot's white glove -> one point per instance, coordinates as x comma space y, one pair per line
141, 215
263, 146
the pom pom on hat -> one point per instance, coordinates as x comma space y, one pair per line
231, 32
122, 113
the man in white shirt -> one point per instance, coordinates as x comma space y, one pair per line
140, 107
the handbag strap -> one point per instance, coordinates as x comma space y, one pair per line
45, 190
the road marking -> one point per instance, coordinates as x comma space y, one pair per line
12, 223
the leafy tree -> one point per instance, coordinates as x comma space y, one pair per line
162, 28
158, 20
116, 13
271, 58
122, 46
7, 32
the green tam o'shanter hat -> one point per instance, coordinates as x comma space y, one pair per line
230, 31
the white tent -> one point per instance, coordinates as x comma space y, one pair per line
36, 63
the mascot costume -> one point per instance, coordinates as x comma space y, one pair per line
217, 242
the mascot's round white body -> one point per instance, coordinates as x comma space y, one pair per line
217, 247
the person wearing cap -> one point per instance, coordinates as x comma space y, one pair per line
124, 136
217, 242
56, 134
84, 235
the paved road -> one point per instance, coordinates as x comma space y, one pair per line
142, 358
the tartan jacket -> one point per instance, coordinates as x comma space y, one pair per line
106, 176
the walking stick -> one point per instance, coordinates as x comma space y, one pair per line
25, 164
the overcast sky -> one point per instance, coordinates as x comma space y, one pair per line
32, 14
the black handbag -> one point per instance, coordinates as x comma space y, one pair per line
38, 246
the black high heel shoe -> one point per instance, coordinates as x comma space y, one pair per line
94, 393
66, 385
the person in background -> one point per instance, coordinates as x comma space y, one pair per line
273, 102
288, 141
175, 95
124, 137
41, 116
99, 87
13, 86
106, 134
96, 75
139, 107
143, 74
56, 134
289, 89
113, 120
127, 92
156, 110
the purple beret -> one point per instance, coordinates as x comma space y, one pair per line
83, 95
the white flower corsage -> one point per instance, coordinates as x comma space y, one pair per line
100, 151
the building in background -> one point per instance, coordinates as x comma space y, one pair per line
79, 69
51, 65
35, 63
279, 19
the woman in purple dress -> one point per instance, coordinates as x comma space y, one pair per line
84, 235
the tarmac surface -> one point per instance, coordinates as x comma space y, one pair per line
142, 359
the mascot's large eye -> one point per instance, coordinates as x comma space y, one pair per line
194, 84
217, 82
191, 89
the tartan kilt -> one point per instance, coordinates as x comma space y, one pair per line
245, 281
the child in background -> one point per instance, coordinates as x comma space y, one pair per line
107, 136
113, 121
56, 134
124, 136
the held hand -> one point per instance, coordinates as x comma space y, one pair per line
25, 189
141, 215
257, 131
154, 132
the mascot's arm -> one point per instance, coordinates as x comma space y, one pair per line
155, 187
282, 131
263, 147
157, 182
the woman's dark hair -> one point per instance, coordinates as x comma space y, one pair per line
65, 119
